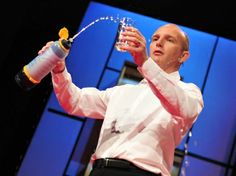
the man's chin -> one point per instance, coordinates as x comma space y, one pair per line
155, 59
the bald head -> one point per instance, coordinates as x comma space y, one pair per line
184, 37
169, 47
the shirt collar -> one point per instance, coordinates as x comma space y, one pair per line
175, 75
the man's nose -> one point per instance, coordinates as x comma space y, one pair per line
159, 43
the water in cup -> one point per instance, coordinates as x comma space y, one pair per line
125, 21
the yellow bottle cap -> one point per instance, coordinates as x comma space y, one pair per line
63, 33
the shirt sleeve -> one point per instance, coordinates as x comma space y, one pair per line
179, 98
89, 102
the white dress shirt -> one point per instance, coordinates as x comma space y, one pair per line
143, 123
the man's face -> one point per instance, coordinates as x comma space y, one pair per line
167, 47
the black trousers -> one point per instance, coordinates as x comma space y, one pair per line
117, 167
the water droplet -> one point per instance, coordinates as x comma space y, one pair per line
183, 173
190, 134
186, 163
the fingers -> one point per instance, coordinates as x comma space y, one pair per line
132, 41
134, 38
48, 44
136, 44
135, 32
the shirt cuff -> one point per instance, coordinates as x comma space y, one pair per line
152, 70
60, 76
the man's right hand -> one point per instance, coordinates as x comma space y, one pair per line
60, 66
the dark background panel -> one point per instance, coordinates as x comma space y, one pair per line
51, 145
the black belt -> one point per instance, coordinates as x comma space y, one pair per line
117, 163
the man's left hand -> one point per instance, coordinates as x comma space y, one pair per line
136, 45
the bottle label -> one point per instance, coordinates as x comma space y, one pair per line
45, 62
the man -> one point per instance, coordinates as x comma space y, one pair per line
142, 124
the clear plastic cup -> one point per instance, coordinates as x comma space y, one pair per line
125, 21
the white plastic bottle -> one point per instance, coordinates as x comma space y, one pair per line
39, 67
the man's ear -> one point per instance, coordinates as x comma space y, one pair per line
184, 57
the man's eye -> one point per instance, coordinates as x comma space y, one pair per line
154, 39
170, 40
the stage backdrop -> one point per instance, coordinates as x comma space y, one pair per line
60, 143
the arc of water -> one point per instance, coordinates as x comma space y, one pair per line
92, 23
